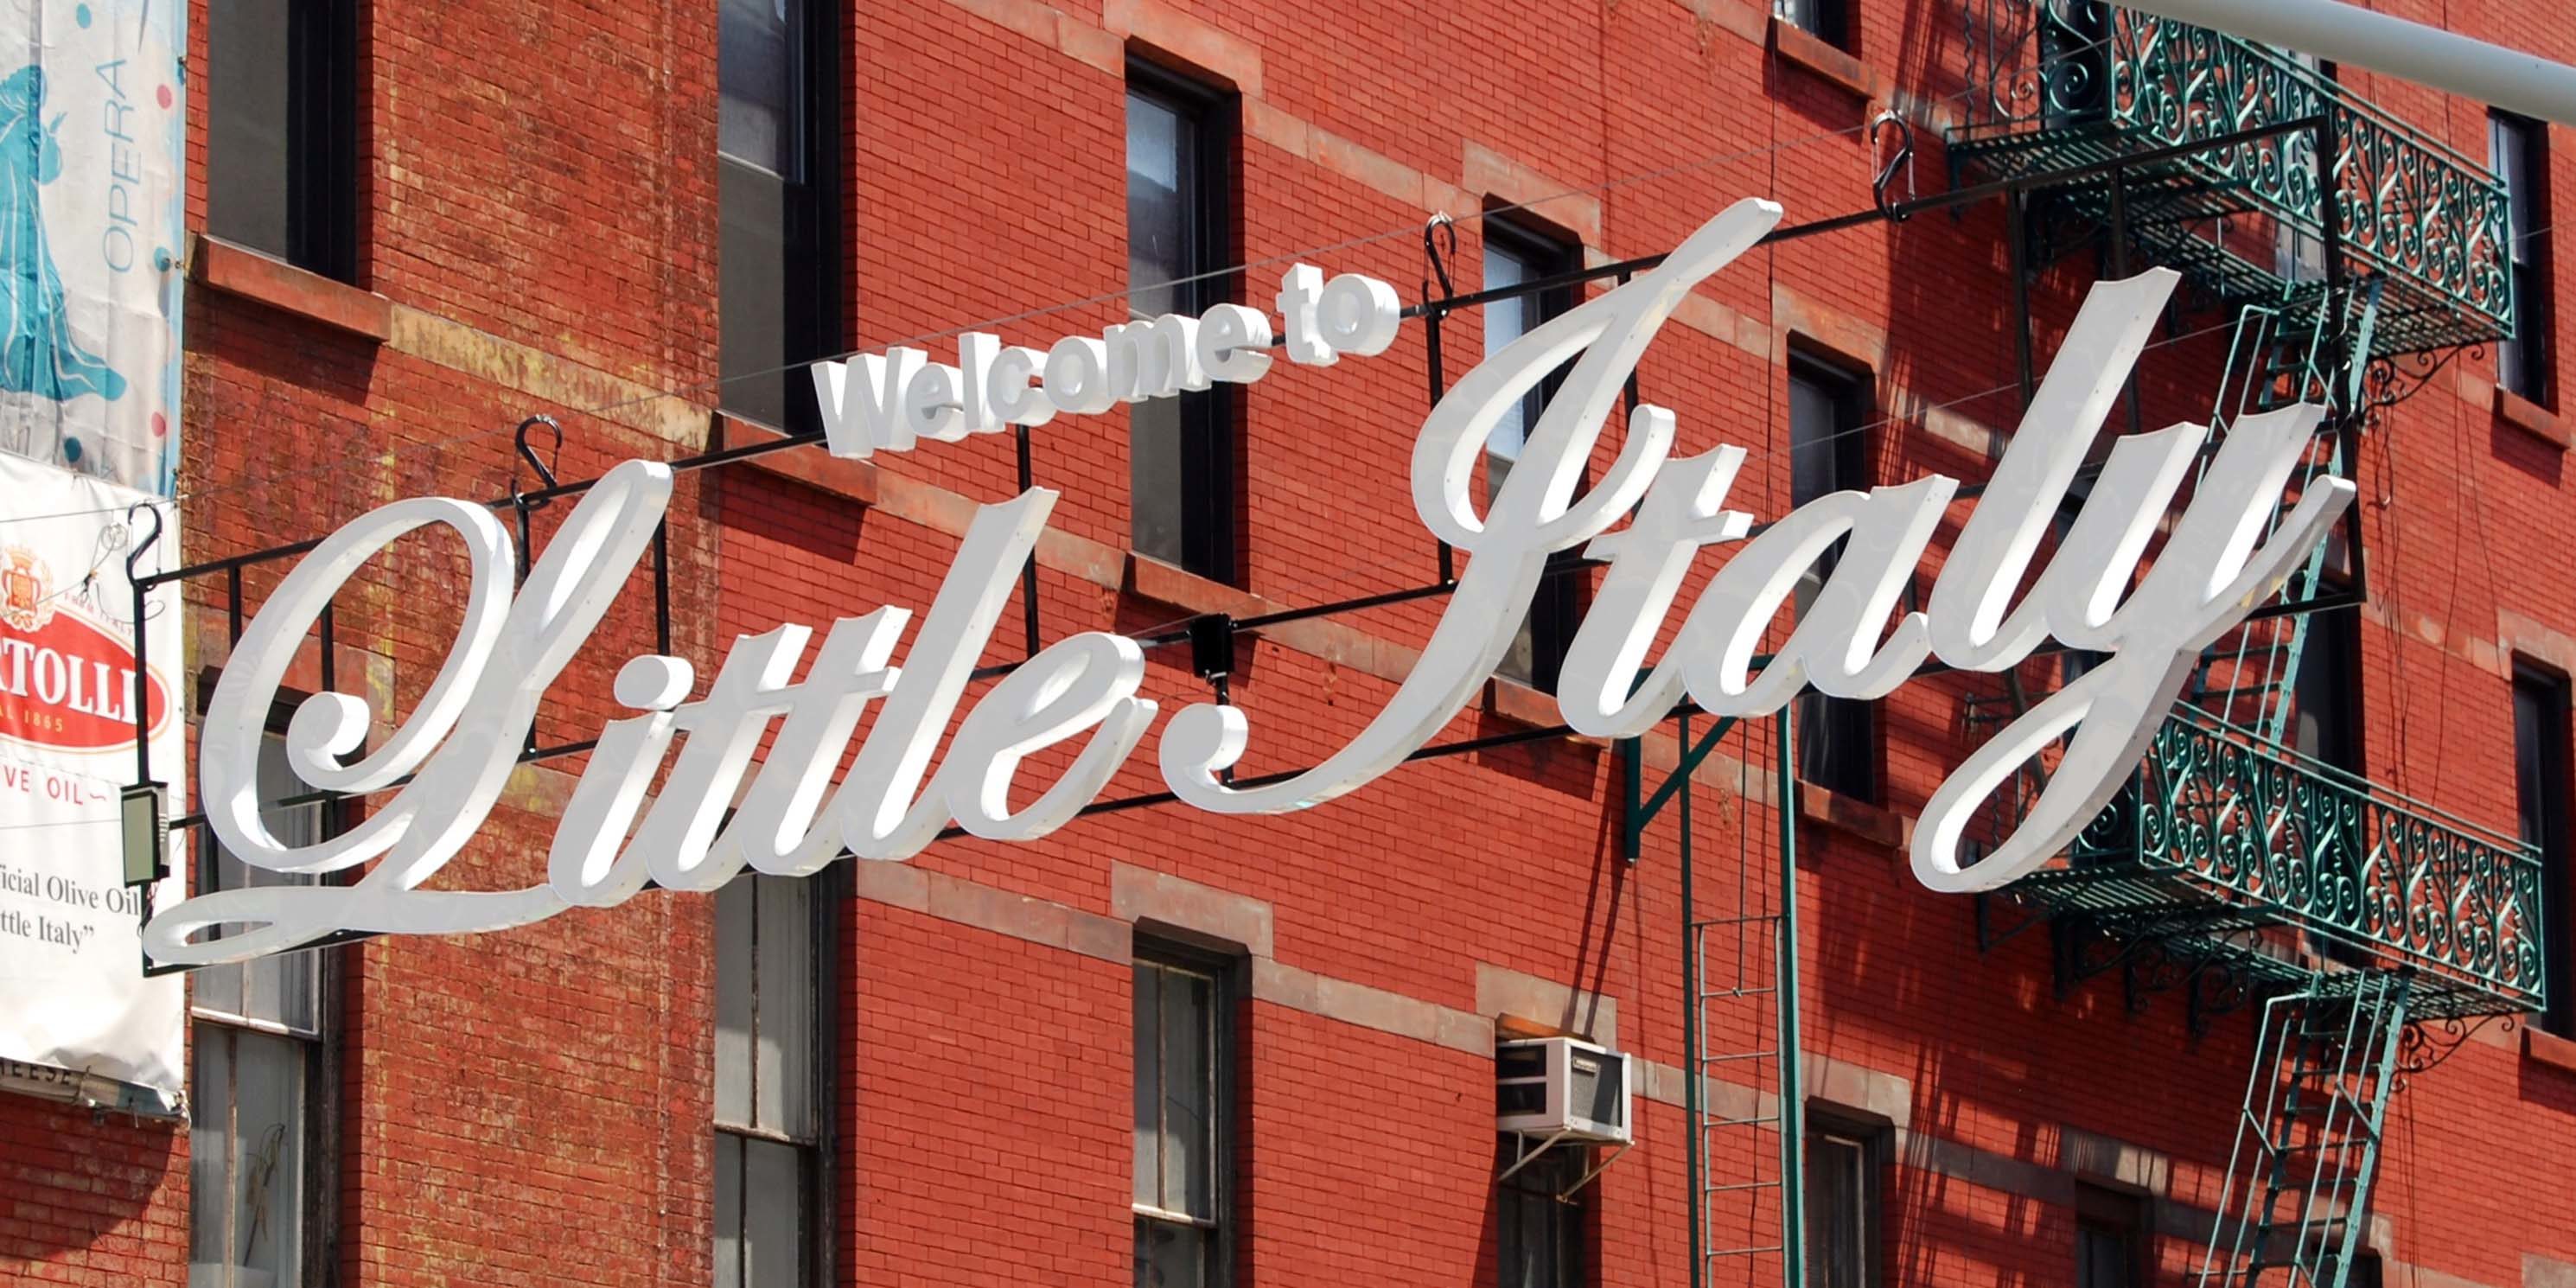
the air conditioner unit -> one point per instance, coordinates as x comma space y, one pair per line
1562, 1089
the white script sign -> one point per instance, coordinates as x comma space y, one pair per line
462, 741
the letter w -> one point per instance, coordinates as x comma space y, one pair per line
878, 399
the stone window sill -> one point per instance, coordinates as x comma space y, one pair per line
2532, 418
1510, 699
1801, 49
1151, 578
2549, 1049
1852, 816
248, 274
854, 479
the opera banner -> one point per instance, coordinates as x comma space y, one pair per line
70, 946
92, 151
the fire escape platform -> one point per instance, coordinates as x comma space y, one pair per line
2081, 83
2229, 850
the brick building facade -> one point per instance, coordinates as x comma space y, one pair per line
629, 218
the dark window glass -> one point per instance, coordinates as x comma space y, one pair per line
1829, 452
2075, 48
2325, 708
1539, 1216
2110, 1239
2297, 254
253, 1106
2325, 723
1842, 1205
768, 1138
1180, 449
1183, 1114
1826, 20
281, 130
775, 268
2518, 149
2541, 788
1515, 256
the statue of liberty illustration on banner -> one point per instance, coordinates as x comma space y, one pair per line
92, 139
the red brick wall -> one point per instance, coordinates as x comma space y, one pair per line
531, 1107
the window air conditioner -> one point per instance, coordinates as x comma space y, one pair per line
1562, 1088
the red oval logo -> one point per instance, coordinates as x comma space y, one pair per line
70, 686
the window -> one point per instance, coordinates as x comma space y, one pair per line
1826, 20
768, 1117
1184, 1116
1829, 452
2519, 151
2298, 255
776, 263
2325, 705
2325, 724
1844, 1158
2541, 786
1538, 1235
281, 130
2075, 51
255, 1155
1180, 450
1515, 256
2110, 1239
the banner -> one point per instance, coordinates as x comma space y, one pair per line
72, 993
92, 151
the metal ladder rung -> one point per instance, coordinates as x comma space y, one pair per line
1738, 1187
1739, 1122
1747, 1055
1715, 1253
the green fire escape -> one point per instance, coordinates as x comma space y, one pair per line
2349, 252
2351, 255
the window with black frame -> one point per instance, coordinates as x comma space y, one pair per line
1841, 1199
1829, 452
1540, 1215
2325, 724
1183, 1117
2518, 150
1181, 466
2110, 1238
769, 1142
2541, 788
2297, 254
1516, 255
258, 1160
281, 105
777, 83
1826, 20
2325, 694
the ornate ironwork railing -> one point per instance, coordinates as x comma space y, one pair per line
2408, 205
2247, 822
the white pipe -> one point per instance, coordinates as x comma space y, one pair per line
2507, 78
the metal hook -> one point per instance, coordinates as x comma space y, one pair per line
1903, 156
1439, 223
134, 554
544, 472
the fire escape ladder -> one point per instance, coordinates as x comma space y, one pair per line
2308, 348
1740, 1038
2307, 1140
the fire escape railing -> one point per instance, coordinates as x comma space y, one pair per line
2059, 82
2252, 834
